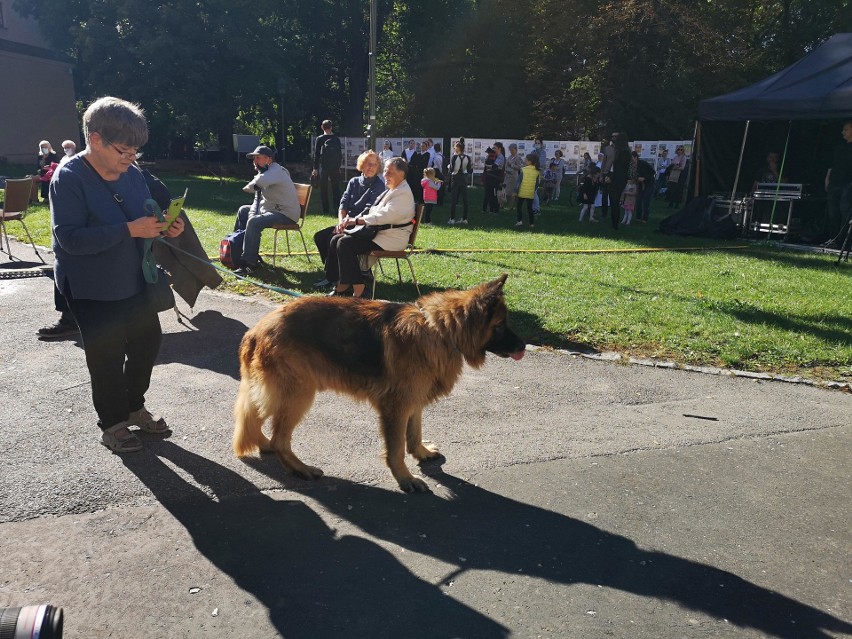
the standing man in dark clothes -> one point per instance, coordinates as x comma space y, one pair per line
328, 154
645, 176
838, 185
419, 161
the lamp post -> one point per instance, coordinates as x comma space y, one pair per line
282, 89
371, 125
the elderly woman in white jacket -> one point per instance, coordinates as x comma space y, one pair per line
386, 226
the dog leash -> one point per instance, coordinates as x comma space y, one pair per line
269, 287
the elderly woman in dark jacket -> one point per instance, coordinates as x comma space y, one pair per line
360, 194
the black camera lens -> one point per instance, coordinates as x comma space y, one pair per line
44, 622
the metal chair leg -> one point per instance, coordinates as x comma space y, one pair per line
274, 247
3, 234
305, 246
27, 231
413, 276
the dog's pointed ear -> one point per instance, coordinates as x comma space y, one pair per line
499, 282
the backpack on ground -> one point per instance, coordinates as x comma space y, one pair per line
332, 153
231, 250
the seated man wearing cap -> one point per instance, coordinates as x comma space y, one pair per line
275, 202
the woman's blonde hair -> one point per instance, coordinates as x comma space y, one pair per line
429, 172
362, 158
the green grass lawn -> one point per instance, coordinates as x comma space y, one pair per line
734, 304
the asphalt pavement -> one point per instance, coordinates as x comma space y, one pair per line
579, 498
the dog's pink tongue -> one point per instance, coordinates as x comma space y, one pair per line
518, 356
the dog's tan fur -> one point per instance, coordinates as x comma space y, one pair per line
398, 357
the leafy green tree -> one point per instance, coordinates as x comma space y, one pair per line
205, 69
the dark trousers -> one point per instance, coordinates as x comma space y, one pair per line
322, 239
60, 303
530, 212
490, 202
838, 209
327, 176
616, 189
121, 340
459, 190
643, 202
414, 184
342, 263
427, 212
605, 201
674, 194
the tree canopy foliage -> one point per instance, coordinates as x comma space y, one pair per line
204, 69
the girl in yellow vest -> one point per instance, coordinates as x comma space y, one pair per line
527, 184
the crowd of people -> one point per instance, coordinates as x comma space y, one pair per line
618, 181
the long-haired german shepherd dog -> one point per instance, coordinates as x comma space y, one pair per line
399, 357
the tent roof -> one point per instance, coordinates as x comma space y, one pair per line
817, 86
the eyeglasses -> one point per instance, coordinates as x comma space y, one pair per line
127, 155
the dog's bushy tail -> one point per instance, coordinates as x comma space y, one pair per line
248, 422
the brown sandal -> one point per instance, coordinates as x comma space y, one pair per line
148, 422
129, 443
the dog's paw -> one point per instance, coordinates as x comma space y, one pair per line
308, 472
427, 452
414, 485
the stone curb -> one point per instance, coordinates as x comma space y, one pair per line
707, 370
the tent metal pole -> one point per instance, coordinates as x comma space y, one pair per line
696, 160
739, 168
778, 185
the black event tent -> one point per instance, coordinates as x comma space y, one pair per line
797, 112
817, 86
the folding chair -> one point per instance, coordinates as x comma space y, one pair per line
16, 202
375, 257
304, 193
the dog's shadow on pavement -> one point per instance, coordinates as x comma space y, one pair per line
314, 582
317, 583
211, 341
494, 533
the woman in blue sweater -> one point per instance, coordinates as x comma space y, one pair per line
100, 223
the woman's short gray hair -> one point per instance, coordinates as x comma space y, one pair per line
399, 164
513, 146
117, 120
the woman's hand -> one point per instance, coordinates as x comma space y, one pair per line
147, 227
175, 229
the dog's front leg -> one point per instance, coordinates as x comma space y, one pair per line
414, 439
394, 428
